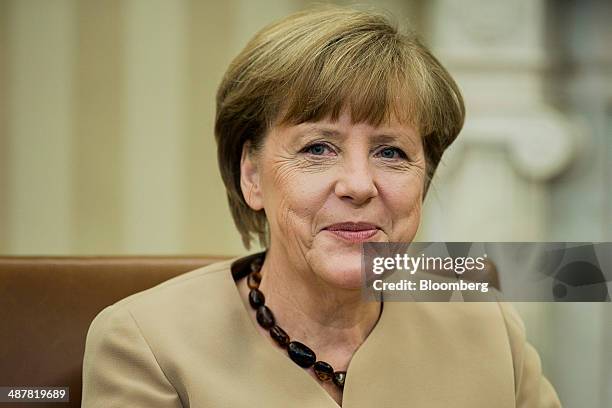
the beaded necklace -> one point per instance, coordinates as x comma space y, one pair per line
301, 354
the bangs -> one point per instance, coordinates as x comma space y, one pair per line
371, 78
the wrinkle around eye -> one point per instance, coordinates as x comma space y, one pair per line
401, 165
303, 163
282, 169
315, 162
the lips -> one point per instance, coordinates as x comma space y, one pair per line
351, 226
353, 231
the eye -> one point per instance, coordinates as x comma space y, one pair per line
317, 149
392, 153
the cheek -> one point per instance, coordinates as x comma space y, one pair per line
293, 197
402, 195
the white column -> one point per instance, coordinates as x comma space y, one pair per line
39, 114
581, 366
495, 183
492, 184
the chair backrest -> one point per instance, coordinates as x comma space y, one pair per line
48, 303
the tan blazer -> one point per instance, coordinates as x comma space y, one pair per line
189, 342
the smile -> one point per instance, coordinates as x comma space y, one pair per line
353, 232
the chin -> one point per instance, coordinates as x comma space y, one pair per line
340, 270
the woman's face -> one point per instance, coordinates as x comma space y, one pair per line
327, 187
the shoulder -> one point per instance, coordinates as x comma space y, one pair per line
170, 306
485, 320
171, 325
515, 328
178, 286
139, 340
177, 293
532, 388
481, 342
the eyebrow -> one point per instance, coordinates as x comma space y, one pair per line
383, 137
325, 131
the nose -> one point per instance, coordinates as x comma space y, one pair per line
356, 182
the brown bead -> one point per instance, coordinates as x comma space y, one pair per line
256, 298
323, 370
280, 336
339, 377
253, 280
301, 354
256, 264
265, 318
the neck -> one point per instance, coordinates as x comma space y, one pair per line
332, 321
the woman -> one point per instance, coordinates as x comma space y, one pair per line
330, 125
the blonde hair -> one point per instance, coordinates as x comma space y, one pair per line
313, 64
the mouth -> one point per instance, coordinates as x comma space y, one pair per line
353, 231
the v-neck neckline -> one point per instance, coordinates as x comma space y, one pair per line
239, 271
419, 353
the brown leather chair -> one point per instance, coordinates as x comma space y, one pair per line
48, 303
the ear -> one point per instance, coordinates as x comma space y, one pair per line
250, 178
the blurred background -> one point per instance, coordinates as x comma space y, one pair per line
107, 146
